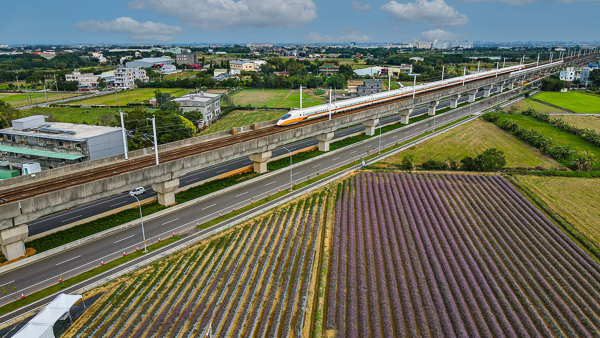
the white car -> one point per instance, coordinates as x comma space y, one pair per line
137, 191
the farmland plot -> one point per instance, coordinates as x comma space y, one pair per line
252, 281
453, 256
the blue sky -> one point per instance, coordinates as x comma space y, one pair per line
308, 21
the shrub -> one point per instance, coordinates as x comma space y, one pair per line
434, 165
491, 159
407, 163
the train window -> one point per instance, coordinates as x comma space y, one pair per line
286, 116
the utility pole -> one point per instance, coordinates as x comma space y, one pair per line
464, 74
538, 60
123, 133
443, 69
478, 66
300, 96
497, 66
18, 85
389, 80
155, 141
330, 103
263, 90
46, 93
117, 96
504, 63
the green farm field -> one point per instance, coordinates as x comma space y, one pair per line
277, 98
239, 118
574, 199
76, 115
527, 103
129, 96
576, 142
471, 139
575, 101
23, 99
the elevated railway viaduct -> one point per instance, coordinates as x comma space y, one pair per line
25, 198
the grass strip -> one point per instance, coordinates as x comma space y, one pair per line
81, 277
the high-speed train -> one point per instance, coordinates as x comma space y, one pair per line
298, 115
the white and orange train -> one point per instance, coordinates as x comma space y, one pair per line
298, 115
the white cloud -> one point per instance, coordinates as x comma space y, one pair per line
440, 34
359, 6
217, 14
434, 13
348, 33
526, 2
135, 31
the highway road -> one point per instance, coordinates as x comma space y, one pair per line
75, 214
46, 272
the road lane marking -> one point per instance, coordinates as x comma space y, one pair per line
70, 259
110, 206
244, 193
270, 183
123, 239
173, 220
352, 152
7, 283
220, 171
337, 158
210, 206
68, 219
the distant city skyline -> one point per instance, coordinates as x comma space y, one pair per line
296, 21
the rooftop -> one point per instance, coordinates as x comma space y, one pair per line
81, 131
197, 97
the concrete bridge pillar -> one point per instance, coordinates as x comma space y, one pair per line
487, 91
431, 107
511, 84
500, 86
370, 127
405, 115
324, 140
454, 101
472, 95
260, 161
166, 191
12, 240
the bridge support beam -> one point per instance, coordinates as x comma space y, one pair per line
431, 107
13, 241
511, 84
405, 115
324, 140
472, 95
500, 86
454, 101
166, 191
370, 127
260, 161
487, 91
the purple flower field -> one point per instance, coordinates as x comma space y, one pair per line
254, 281
448, 255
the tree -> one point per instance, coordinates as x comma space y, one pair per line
595, 77
585, 161
491, 159
7, 114
161, 97
407, 162
552, 84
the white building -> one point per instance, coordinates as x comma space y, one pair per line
168, 69
84, 80
570, 74
417, 59
149, 62
208, 104
125, 77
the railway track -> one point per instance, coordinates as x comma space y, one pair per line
23, 192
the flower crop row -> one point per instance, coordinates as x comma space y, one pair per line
454, 256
